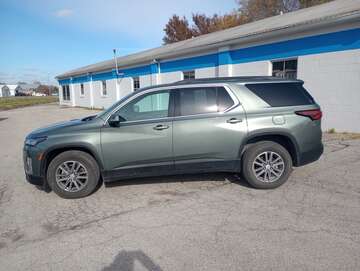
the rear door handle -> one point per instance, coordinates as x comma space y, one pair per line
160, 127
234, 120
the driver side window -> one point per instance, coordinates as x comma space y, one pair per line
148, 106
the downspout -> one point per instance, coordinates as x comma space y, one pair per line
91, 91
117, 74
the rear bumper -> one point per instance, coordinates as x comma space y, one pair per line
310, 156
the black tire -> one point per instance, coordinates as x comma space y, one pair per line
250, 155
87, 161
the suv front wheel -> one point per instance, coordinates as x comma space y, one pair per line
73, 174
266, 165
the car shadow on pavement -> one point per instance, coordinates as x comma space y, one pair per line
183, 178
125, 261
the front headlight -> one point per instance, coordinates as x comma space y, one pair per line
34, 141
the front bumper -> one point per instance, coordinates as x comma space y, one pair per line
35, 180
32, 165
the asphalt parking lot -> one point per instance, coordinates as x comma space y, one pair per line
195, 222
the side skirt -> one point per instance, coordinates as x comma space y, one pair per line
166, 170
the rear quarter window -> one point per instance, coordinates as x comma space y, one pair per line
282, 94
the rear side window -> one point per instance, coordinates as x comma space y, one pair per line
282, 94
224, 100
202, 100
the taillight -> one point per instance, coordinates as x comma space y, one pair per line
314, 114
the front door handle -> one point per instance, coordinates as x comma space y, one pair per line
234, 120
160, 127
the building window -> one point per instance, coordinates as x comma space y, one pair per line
136, 83
285, 68
188, 75
82, 92
103, 88
66, 92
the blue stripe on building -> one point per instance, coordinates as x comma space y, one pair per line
331, 42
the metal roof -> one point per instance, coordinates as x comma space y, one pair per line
243, 34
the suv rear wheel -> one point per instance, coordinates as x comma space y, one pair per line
73, 174
266, 165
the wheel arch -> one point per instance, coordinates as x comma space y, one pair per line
284, 139
50, 154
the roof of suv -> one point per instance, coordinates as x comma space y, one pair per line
233, 80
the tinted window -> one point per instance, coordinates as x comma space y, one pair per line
82, 89
282, 94
66, 92
148, 106
104, 90
189, 75
193, 101
136, 83
285, 68
224, 100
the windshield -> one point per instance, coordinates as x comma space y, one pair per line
111, 108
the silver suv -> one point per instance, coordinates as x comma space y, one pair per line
258, 126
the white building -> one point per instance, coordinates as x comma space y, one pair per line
4, 91
14, 89
320, 45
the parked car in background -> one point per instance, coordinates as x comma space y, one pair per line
39, 94
258, 126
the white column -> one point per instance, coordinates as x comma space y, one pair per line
158, 75
117, 86
72, 95
61, 99
91, 92
155, 77
225, 67
270, 68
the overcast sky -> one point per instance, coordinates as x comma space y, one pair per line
42, 38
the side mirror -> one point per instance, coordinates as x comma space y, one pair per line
114, 120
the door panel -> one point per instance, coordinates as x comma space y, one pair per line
137, 145
207, 138
144, 137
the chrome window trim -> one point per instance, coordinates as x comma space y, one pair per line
170, 88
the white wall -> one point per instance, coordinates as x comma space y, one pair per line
125, 86
145, 81
101, 101
83, 101
205, 72
258, 68
170, 77
334, 81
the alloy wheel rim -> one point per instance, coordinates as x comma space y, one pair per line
71, 176
268, 167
